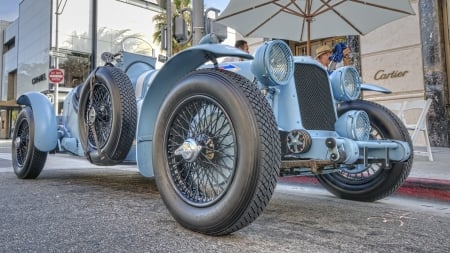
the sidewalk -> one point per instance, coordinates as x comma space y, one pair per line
430, 180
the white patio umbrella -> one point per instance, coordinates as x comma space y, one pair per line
306, 20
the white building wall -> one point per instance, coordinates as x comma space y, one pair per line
391, 56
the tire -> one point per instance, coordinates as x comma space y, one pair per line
107, 116
227, 184
27, 160
375, 181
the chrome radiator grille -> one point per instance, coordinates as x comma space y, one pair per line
314, 97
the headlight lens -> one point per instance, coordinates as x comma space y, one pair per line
273, 63
354, 125
346, 84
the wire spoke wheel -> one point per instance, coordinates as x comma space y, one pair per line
23, 139
99, 116
107, 116
216, 152
358, 173
202, 172
27, 160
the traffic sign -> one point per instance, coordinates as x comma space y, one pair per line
56, 75
57, 54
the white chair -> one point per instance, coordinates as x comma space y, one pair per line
418, 125
397, 108
407, 111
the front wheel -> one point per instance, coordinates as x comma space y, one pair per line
377, 180
216, 152
27, 160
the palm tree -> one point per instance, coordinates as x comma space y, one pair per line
160, 22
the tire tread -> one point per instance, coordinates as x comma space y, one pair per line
270, 152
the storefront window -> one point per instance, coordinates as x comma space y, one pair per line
134, 20
76, 68
74, 41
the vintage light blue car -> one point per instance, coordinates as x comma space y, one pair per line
217, 136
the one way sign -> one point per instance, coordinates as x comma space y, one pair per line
56, 75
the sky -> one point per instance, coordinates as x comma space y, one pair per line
218, 4
9, 9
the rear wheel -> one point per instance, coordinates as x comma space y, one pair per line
216, 152
107, 116
27, 160
376, 180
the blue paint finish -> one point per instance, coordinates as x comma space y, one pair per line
374, 87
45, 130
164, 81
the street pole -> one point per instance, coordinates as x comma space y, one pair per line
59, 10
198, 20
57, 13
169, 27
94, 34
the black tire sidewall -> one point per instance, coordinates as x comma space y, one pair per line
390, 179
242, 187
102, 75
29, 168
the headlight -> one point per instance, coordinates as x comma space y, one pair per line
273, 63
346, 84
354, 125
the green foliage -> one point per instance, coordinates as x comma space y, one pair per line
160, 22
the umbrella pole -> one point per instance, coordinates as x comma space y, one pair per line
308, 18
308, 38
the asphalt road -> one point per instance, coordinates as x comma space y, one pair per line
94, 209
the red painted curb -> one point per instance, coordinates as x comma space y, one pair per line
413, 187
427, 183
299, 180
426, 188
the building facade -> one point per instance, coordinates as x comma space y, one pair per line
410, 57
65, 34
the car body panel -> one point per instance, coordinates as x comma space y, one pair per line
45, 132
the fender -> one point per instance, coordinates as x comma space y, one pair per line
374, 87
45, 132
166, 78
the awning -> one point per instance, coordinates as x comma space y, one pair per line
9, 104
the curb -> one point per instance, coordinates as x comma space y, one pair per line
413, 187
426, 188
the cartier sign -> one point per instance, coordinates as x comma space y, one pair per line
382, 74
